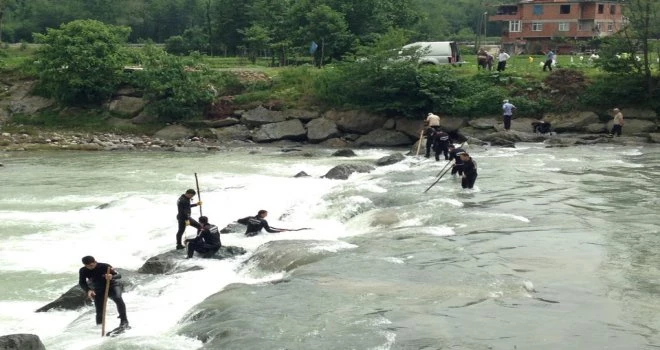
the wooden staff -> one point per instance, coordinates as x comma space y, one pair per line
419, 143
199, 195
105, 301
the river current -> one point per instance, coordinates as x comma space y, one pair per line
554, 248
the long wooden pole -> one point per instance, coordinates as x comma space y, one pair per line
438, 180
105, 301
199, 194
419, 143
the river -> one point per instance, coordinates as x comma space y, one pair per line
554, 248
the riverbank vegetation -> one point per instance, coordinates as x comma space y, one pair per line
357, 65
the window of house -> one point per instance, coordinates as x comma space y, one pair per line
612, 9
610, 27
601, 8
581, 27
537, 26
565, 9
514, 26
538, 10
564, 26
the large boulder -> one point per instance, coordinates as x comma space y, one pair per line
483, 123
29, 105
410, 127
72, 299
21, 342
450, 124
173, 132
572, 121
391, 159
301, 114
343, 171
234, 132
635, 113
287, 130
636, 126
286, 255
654, 137
127, 105
144, 117
261, 116
334, 143
171, 262
383, 137
356, 121
321, 129
518, 124
221, 123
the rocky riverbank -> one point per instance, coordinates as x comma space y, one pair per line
329, 129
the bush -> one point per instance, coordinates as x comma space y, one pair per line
82, 61
177, 88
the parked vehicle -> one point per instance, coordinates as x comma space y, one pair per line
436, 52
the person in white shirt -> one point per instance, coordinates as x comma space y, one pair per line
433, 120
501, 60
507, 111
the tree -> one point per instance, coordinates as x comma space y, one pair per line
642, 27
257, 39
82, 61
4, 8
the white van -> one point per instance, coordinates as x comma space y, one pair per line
437, 52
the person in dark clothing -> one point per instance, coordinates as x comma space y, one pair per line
183, 216
97, 275
207, 241
441, 144
469, 171
455, 154
256, 223
430, 135
541, 127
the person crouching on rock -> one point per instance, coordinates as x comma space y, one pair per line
256, 223
98, 274
207, 241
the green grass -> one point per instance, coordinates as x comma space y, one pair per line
82, 121
12, 57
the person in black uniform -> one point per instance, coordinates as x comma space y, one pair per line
207, 241
97, 274
441, 144
469, 171
256, 223
455, 154
429, 133
183, 216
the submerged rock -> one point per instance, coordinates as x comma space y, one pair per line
21, 342
72, 299
277, 256
391, 159
171, 262
343, 171
344, 153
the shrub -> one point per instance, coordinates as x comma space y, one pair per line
82, 61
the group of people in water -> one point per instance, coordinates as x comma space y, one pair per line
440, 142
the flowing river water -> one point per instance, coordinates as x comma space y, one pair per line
555, 248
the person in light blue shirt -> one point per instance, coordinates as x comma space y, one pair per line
550, 57
507, 109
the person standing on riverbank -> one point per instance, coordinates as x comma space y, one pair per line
617, 123
183, 215
501, 60
507, 112
98, 274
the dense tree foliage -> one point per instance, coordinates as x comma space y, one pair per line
82, 61
282, 27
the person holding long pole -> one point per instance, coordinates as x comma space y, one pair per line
104, 284
183, 215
